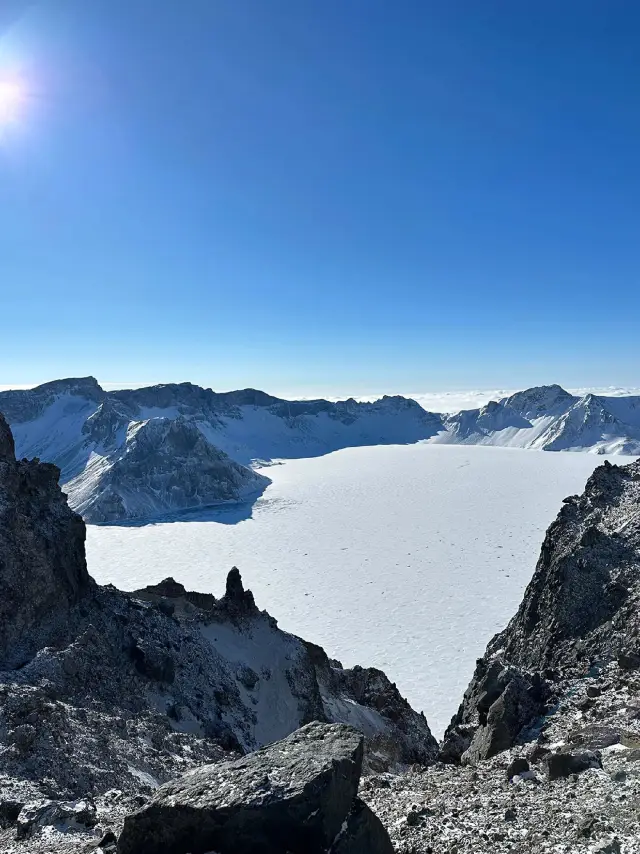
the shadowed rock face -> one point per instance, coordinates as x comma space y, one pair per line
580, 608
42, 562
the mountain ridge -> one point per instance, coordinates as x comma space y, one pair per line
97, 437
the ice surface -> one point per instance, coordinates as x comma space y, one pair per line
407, 558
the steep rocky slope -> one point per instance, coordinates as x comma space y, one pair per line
102, 690
162, 466
42, 542
579, 610
543, 754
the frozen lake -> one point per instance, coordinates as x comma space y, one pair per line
406, 558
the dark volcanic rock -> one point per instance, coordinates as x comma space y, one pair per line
563, 764
7, 445
42, 563
237, 601
363, 833
294, 795
581, 607
586, 576
396, 734
519, 766
501, 702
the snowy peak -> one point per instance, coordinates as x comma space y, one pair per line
190, 446
549, 418
540, 400
480, 423
589, 423
26, 404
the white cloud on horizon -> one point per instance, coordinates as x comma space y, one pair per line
437, 401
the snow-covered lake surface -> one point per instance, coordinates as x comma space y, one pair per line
406, 558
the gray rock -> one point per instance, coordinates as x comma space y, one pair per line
518, 766
629, 660
62, 814
294, 795
152, 662
607, 846
564, 764
506, 701
363, 833
9, 812
596, 736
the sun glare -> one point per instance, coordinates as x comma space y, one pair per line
11, 98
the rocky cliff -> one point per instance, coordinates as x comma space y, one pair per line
42, 563
579, 610
543, 755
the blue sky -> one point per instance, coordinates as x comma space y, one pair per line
302, 195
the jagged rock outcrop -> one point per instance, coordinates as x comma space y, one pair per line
497, 710
582, 602
297, 795
317, 688
580, 608
43, 571
365, 698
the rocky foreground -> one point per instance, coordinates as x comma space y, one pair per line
172, 721
105, 695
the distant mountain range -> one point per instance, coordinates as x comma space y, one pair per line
550, 419
138, 453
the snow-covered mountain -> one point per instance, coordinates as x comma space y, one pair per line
551, 419
138, 453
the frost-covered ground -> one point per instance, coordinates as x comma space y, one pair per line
407, 558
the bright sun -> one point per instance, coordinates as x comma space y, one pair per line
11, 98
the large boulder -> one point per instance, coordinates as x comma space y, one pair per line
43, 570
296, 795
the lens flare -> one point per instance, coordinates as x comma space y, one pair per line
12, 96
